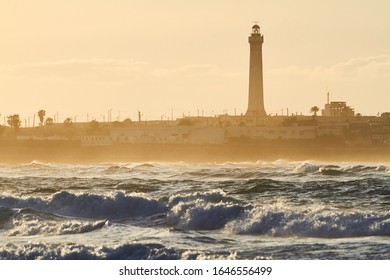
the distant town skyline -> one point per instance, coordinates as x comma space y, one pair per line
78, 58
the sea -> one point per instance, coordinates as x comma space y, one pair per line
279, 210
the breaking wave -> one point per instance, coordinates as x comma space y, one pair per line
321, 224
215, 211
83, 252
93, 206
211, 211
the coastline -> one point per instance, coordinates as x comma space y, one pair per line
15, 152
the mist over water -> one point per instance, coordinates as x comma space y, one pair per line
248, 210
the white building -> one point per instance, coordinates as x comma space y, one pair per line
338, 109
170, 134
272, 132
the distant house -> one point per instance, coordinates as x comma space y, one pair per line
338, 109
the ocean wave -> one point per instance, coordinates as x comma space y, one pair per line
208, 210
306, 168
321, 224
337, 170
116, 169
218, 211
331, 171
139, 185
210, 196
361, 168
352, 170
5, 215
207, 172
92, 206
201, 216
361, 190
38, 164
27, 222
226, 173
255, 186
70, 251
202, 211
146, 165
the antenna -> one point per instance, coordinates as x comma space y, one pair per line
327, 94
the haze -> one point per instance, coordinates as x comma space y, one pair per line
78, 58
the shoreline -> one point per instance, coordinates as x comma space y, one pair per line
249, 151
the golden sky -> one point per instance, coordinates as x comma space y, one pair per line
79, 57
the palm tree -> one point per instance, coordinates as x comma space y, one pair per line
314, 110
41, 115
94, 125
68, 122
14, 121
49, 121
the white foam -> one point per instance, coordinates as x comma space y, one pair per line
319, 223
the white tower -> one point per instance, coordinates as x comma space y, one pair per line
256, 99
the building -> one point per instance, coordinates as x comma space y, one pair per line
256, 98
272, 132
158, 135
337, 109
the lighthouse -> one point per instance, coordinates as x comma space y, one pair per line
256, 99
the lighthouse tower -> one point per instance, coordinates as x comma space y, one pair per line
256, 99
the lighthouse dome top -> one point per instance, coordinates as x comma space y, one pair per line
255, 29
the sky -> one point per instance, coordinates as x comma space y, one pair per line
84, 58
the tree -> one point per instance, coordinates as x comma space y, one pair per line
186, 122
127, 122
41, 115
314, 110
49, 122
14, 121
94, 125
68, 123
116, 124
